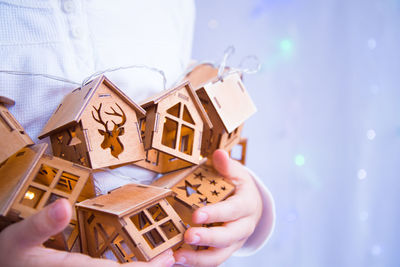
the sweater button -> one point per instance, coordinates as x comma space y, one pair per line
76, 32
68, 6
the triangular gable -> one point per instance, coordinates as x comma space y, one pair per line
71, 108
134, 197
15, 171
231, 101
164, 94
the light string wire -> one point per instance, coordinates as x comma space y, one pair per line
87, 79
48, 76
230, 50
156, 70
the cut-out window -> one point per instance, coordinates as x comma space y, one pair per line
157, 212
53, 197
174, 111
169, 133
99, 240
169, 229
237, 152
140, 220
90, 219
73, 139
187, 137
123, 248
153, 238
32, 197
67, 182
109, 254
186, 115
45, 175
107, 230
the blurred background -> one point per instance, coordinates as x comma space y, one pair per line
326, 138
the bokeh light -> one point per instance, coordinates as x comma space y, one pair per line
299, 160
286, 47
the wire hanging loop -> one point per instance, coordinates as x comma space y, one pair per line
228, 52
160, 72
250, 70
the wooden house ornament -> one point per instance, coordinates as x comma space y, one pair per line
197, 186
172, 130
228, 106
31, 180
96, 126
12, 135
133, 222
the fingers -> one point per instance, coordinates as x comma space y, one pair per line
220, 236
209, 257
39, 227
229, 168
165, 259
238, 206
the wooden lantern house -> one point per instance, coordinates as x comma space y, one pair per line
96, 126
12, 135
228, 106
31, 180
133, 222
172, 130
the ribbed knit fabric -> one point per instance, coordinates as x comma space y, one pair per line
74, 39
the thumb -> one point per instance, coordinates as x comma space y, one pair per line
229, 168
38, 228
221, 162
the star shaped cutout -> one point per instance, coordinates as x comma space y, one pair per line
213, 182
199, 176
204, 201
215, 193
190, 189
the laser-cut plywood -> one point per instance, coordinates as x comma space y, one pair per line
227, 104
133, 222
31, 180
96, 126
172, 130
197, 186
204, 186
12, 135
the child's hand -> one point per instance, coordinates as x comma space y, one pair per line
240, 214
21, 243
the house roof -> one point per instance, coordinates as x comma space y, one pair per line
231, 100
15, 171
126, 199
166, 93
73, 105
6, 101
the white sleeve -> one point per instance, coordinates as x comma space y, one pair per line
265, 226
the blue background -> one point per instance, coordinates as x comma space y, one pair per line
326, 138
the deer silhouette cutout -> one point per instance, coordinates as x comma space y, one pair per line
111, 138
